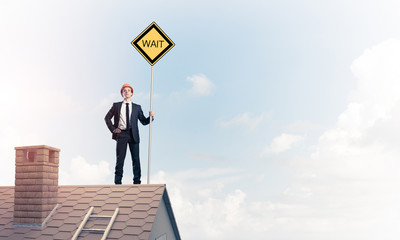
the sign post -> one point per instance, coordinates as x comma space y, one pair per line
153, 44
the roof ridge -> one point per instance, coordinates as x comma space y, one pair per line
117, 186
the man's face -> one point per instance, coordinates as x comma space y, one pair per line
127, 92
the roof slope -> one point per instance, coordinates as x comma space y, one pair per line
138, 205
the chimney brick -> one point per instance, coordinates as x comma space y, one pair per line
36, 183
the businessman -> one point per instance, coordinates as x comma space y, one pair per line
125, 131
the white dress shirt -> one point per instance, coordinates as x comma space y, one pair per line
122, 117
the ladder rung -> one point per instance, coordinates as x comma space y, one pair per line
107, 231
89, 215
78, 231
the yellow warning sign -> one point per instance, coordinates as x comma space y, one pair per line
153, 43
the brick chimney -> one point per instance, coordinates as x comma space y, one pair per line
36, 183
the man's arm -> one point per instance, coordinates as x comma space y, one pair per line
108, 118
143, 119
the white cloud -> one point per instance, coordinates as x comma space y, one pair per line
347, 189
143, 98
245, 120
301, 126
202, 86
375, 104
81, 172
105, 104
34, 106
203, 211
282, 143
22, 125
208, 157
352, 178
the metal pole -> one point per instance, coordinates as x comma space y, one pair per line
151, 109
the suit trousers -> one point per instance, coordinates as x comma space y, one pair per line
125, 139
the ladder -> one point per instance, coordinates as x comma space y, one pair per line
89, 215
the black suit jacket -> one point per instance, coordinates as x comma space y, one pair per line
137, 114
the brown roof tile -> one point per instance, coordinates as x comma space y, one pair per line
147, 226
137, 205
132, 230
6, 205
128, 237
130, 197
144, 235
66, 227
115, 235
152, 211
66, 189
159, 191
77, 213
138, 215
147, 194
6, 232
104, 191
153, 204
121, 217
125, 204
97, 203
144, 200
45, 237
150, 218
90, 236
3, 221
86, 200
134, 222
74, 197
78, 191
63, 194
63, 235
81, 206
101, 197
134, 191
110, 207
119, 225
34, 234
60, 216
73, 220
114, 200
124, 211
141, 207
64, 209
50, 230
69, 203
116, 194
55, 223
121, 188
92, 189
17, 236
93, 223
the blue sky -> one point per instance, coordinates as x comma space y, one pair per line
274, 119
